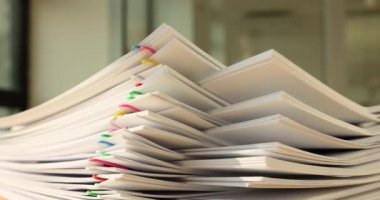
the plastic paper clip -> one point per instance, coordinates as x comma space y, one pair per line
132, 94
107, 164
91, 193
109, 144
105, 134
138, 84
129, 107
144, 48
149, 61
97, 177
119, 113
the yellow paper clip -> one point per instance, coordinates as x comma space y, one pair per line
149, 61
119, 113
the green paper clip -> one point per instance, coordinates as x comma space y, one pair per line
105, 134
91, 193
103, 153
132, 94
135, 92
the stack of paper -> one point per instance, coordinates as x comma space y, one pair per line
167, 121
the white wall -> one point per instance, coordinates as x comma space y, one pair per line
177, 13
68, 43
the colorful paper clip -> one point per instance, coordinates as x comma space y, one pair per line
144, 48
132, 94
125, 109
91, 193
97, 177
107, 164
119, 113
104, 154
105, 134
149, 61
113, 129
134, 47
138, 84
129, 107
108, 144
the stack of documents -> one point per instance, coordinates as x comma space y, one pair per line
167, 121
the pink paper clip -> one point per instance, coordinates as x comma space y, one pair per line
129, 107
113, 129
137, 84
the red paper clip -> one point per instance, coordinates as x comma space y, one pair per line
107, 164
97, 177
146, 48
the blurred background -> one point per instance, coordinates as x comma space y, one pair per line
48, 46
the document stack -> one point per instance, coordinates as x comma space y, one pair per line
168, 121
